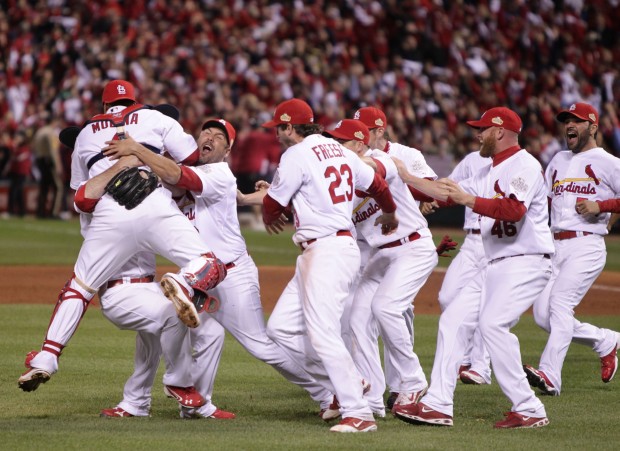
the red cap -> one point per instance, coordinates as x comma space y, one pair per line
223, 125
117, 90
499, 117
582, 111
371, 116
293, 111
350, 129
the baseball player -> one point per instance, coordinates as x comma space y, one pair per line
115, 233
210, 203
510, 197
468, 262
376, 121
317, 176
583, 185
397, 267
133, 301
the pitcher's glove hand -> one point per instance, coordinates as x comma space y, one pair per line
131, 186
446, 246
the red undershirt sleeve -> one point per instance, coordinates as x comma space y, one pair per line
192, 159
189, 180
380, 192
272, 210
380, 168
84, 204
609, 205
509, 209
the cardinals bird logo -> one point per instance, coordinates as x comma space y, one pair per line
591, 173
498, 190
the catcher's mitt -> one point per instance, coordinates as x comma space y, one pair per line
131, 186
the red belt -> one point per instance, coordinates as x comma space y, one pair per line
473, 231
305, 244
115, 282
568, 234
414, 236
229, 265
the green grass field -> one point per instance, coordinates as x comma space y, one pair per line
272, 414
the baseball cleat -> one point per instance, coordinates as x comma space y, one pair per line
405, 399
351, 424
389, 403
516, 420
609, 365
539, 379
179, 296
421, 414
31, 379
116, 412
218, 414
463, 368
186, 396
471, 377
332, 412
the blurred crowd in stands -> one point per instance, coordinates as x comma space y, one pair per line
429, 64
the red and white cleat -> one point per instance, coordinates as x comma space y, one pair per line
351, 424
516, 420
421, 414
186, 396
116, 412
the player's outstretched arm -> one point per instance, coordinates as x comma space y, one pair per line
95, 187
429, 187
166, 169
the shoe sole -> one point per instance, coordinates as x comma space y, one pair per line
413, 419
185, 310
33, 380
330, 414
470, 379
351, 429
538, 382
539, 424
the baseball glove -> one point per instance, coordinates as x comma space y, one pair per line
131, 186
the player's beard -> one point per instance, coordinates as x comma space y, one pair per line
487, 147
579, 144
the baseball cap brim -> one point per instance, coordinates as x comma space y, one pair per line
217, 124
561, 117
271, 124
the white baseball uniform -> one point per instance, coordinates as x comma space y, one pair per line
398, 267
319, 177
214, 213
579, 253
132, 301
115, 234
469, 261
496, 298
416, 164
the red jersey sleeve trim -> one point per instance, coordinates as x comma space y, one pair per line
189, 180
609, 205
83, 203
380, 192
380, 168
509, 209
192, 159
272, 210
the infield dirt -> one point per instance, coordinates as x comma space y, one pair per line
41, 285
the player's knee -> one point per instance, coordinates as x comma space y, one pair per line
205, 272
